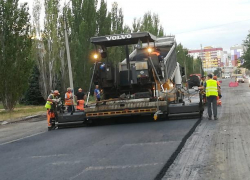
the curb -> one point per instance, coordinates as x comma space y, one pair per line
23, 119
170, 161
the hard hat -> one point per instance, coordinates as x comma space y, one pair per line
215, 77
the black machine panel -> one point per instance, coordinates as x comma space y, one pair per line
124, 81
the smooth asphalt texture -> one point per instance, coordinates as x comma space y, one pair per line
107, 151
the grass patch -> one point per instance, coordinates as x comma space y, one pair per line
17, 106
21, 111
91, 99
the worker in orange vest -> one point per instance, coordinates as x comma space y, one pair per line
158, 54
69, 100
80, 96
219, 95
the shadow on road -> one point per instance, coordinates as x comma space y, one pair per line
124, 120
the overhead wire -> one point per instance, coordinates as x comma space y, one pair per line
211, 27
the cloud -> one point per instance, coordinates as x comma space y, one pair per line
194, 22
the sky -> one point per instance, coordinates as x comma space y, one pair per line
217, 23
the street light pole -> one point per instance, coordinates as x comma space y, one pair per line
69, 60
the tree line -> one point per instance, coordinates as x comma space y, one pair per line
246, 55
33, 58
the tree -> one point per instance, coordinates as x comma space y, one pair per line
15, 60
103, 20
81, 26
198, 66
117, 54
33, 95
246, 55
48, 50
237, 71
217, 72
52, 44
181, 54
193, 66
150, 22
38, 50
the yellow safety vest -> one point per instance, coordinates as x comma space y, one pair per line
211, 88
48, 104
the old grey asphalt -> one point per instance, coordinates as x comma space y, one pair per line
108, 151
219, 149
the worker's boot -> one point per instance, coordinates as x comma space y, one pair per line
215, 118
209, 118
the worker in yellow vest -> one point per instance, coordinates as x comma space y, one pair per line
50, 107
212, 89
69, 100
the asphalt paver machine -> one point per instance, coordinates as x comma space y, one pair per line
147, 82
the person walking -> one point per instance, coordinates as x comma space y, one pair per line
69, 100
97, 93
212, 89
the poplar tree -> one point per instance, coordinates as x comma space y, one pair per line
82, 25
246, 55
15, 48
117, 54
51, 43
103, 20
149, 22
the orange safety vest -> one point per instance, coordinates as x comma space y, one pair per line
218, 83
80, 105
156, 53
68, 101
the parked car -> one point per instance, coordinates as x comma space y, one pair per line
227, 76
240, 79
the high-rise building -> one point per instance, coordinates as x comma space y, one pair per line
225, 59
211, 57
236, 54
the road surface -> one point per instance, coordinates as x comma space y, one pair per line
216, 150
219, 149
108, 151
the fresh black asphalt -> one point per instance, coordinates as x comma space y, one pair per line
106, 152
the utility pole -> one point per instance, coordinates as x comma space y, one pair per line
68, 58
193, 65
185, 66
91, 81
201, 62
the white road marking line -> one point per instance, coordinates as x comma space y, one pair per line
22, 138
48, 156
150, 143
92, 168
66, 163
